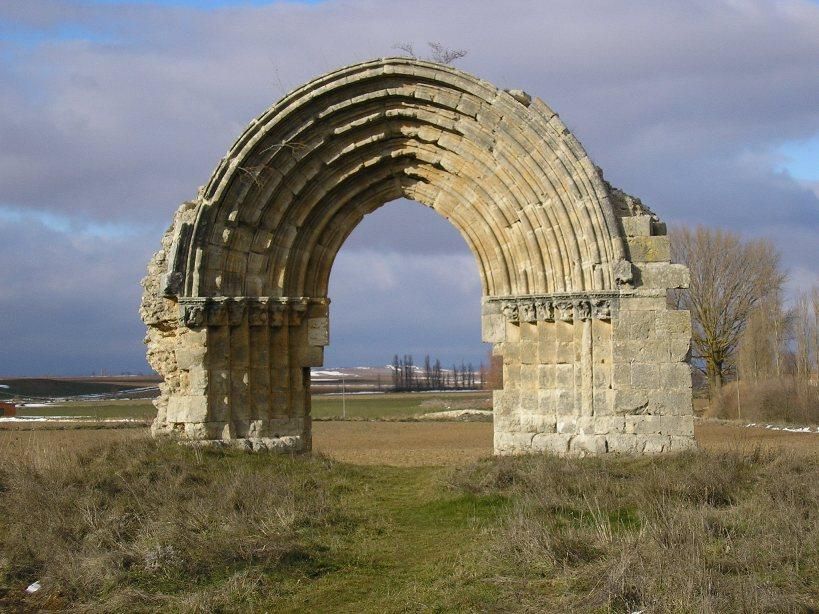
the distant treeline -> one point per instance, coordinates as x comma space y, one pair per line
406, 375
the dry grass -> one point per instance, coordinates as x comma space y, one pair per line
699, 532
782, 400
143, 525
130, 524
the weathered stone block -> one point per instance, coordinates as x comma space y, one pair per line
552, 443
663, 275
663, 425
189, 356
318, 332
587, 445
679, 348
187, 409
546, 401
564, 376
564, 402
674, 322
644, 376
630, 401
619, 443
637, 225
670, 402
528, 352
649, 249
546, 376
674, 376
493, 328
642, 303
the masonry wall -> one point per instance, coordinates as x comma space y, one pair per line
593, 373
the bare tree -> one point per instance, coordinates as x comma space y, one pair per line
729, 277
407, 48
443, 55
438, 53
763, 346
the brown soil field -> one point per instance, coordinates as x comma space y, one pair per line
402, 443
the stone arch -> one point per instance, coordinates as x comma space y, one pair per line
574, 272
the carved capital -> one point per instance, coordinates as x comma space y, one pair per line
545, 310
565, 311
258, 313
192, 316
602, 309
527, 311
236, 311
583, 310
510, 310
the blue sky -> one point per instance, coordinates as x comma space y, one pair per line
801, 158
112, 113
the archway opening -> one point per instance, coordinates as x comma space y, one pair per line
404, 319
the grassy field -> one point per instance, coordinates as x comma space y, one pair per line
109, 520
358, 406
396, 405
130, 524
137, 409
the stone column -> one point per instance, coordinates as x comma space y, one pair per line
244, 367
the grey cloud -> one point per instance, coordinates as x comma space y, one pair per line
682, 103
69, 303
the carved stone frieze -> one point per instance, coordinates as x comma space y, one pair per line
563, 307
198, 312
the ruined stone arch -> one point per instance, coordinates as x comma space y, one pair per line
574, 273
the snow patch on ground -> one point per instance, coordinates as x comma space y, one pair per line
458, 414
332, 374
788, 429
65, 419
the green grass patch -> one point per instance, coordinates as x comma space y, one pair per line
396, 405
137, 409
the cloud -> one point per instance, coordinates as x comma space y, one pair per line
69, 299
114, 113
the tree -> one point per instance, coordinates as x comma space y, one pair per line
438, 53
763, 346
729, 278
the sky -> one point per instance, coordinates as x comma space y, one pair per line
112, 113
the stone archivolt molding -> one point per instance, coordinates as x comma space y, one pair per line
556, 307
233, 326
196, 312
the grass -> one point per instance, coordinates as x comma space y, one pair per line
397, 405
388, 406
142, 525
137, 409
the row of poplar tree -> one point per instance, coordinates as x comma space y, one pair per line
406, 375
